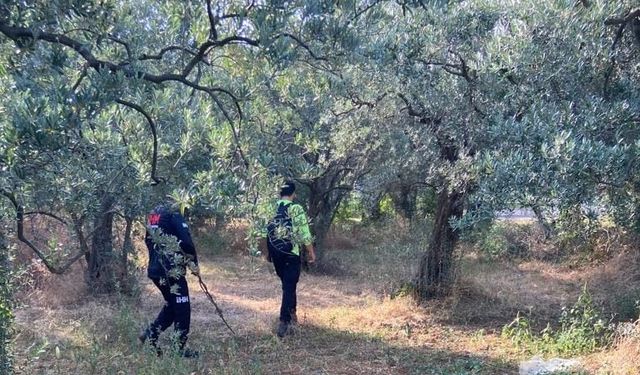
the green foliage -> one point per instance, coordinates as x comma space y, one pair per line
499, 240
582, 327
582, 330
493, 243
169, 248
627, 305
386, 206
519, 331
426, 202
525, 104
350, 211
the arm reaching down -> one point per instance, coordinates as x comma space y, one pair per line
186, 243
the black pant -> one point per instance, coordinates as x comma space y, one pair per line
176, 310
288, 269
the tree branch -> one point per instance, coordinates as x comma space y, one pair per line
83, 75
154, 134
163, 51
46, 214
18, 33
609, 73
448, 67
585, 3
412, 112
236, 136
340, 187
622, 20
122, 43
20, 232
364, 10
303, 45
213, 34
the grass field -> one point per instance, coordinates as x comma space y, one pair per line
353, 320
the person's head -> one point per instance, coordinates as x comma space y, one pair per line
288, 190
166, 204
161, 207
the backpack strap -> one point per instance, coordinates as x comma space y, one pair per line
286, 205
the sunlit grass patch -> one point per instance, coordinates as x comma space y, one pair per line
359, 322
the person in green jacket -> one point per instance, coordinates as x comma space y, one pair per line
288, 230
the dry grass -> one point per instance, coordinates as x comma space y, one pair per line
349, 323
348, 326
490, 294
340, 333
622, 359
617, 284
48, 290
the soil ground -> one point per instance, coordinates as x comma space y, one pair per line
352, 320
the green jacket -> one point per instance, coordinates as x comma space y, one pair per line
300, 224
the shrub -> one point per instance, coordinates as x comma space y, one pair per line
582, 330
627, 305
501, 240
350, 211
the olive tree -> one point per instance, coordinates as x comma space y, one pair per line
504, 100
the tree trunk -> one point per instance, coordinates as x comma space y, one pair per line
127, 246
375, 213
547, 229
435, 274
102, 275
5, 305
321, 224
404, 200
323, 204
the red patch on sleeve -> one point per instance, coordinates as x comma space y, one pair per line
154, 219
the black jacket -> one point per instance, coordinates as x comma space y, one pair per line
171, 223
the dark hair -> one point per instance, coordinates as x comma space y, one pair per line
287, 189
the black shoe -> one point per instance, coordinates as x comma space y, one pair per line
144, 336
283, 329
189, 353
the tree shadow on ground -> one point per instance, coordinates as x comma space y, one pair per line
491, 295
319, 349
112, 347
322, 350
109, 344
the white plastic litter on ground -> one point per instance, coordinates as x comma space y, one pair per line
539, 366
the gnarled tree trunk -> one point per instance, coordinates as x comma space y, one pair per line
547, 228
323, 204
102, 262
325, 194
435, 274
375, 212
404, 200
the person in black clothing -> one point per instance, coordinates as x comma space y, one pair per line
167, 269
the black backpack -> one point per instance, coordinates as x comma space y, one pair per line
279, 232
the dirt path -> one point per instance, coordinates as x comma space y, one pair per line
349, 322
249, 293
345, 328
347, 325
